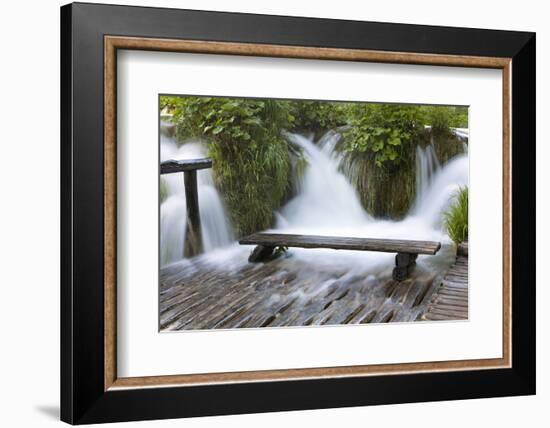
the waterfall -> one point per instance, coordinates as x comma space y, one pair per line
461, 133
427, 164
436, 186
215, 227
325, 196
443, 185
327, 204
326, 200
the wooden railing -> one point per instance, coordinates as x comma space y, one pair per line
193, 244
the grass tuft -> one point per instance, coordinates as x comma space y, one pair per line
456, 217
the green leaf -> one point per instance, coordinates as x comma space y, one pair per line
377, 146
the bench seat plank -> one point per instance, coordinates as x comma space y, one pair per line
342, 243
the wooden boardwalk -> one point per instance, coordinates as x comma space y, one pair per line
450, 301
197, 294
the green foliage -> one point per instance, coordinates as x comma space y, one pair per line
170, 103
301, 165
253, 181
252, 164
383, 131
387, 133
163, 190
250, 157
441, 118
456, 217
458, 117
233, 121
317, 116
384, 192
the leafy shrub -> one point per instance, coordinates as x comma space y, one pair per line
250, 157
252, 163
458, 117
441, 118
456, 217
317, 116
383, 131
170, 103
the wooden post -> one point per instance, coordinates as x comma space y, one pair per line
193, 236
193, 242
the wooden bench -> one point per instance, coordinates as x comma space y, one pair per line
405, 260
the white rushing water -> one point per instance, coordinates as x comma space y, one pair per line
325, 195
326, 204
427, 165
215, 227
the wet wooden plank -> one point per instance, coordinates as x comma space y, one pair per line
288, 292
450, 302
437, 317
448, 312
168, 319
342, 243
183, 165
452, 293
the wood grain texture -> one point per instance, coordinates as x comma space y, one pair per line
450, 301
172, 166
507, 208
303, 52
199, 294
112, 43
109, 195
193, 234
342, 243
298, 374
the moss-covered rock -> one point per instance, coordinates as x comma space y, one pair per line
254, 183
390, 191
446, 145
384, 192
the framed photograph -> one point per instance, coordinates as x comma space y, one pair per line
265, 213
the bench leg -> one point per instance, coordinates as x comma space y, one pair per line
404, 265
260, 253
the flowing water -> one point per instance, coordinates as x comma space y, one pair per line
325, 204
325, 196
215, 227
427, 165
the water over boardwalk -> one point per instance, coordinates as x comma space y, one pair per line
220, 289
203, 294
